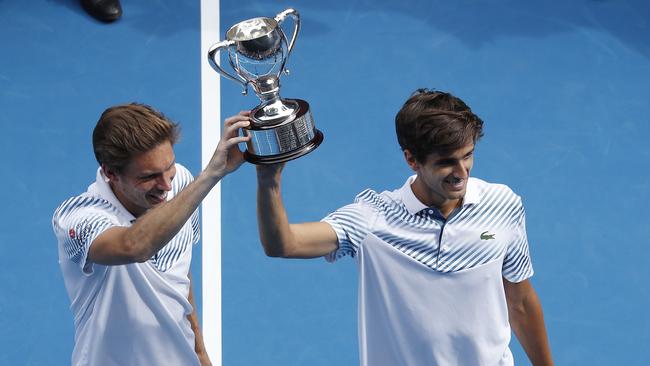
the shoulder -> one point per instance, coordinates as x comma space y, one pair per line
376, 200
84, 202
367, 196
488, 191
83, 214
366, 204
386, 203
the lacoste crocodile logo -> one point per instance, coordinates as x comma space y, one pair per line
486, 236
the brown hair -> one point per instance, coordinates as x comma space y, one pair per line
436, 122
125, 131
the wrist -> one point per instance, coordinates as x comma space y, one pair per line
210, 177
268, 178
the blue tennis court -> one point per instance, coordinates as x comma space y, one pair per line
562, 88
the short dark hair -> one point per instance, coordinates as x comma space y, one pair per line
125, 131
436, 122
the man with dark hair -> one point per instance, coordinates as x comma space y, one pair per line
125, 245
443, 260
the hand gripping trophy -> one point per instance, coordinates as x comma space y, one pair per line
280, 129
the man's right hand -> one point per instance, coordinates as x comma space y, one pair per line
228, 157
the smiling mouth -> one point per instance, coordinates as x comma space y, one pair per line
455, 183
157, 198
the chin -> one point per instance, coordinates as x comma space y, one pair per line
154, 204
455, 195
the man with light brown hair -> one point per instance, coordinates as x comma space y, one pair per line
125, 245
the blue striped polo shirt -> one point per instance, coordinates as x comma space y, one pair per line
140, 308
430, 288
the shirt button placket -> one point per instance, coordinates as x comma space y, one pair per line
441, 248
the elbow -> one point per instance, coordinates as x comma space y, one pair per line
275, 253
275, 250
135, 253
516, 308
141, 258
516, 312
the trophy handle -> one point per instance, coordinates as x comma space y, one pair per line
213, 59
296, 24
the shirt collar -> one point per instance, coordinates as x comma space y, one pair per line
103, 189
414, 205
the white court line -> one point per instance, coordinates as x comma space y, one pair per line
211, 208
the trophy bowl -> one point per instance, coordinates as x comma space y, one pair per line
280, 129
256, 38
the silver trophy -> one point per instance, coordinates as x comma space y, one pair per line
280, 129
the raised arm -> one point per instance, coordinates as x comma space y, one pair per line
279, 238
527, 320
151, 231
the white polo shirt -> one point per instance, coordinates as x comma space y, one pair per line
430, 289
133, 314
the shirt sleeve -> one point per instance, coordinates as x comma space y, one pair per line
77, 223
517, 265
351, 224
196, 228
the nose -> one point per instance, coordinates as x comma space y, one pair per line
461, 170
164, 182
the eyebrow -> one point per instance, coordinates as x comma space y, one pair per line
146, 174
451, 160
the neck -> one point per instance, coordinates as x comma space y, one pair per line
431, 199
449, 207
125, 203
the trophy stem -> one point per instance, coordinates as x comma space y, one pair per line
267, 87
273, 108
275, 112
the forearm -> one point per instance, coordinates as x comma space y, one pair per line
527, 321
158, 226
279, 237
199, 346
273, 224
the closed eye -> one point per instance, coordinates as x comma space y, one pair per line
149, 177
446, 162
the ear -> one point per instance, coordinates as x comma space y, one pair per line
411, 161
110, 174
